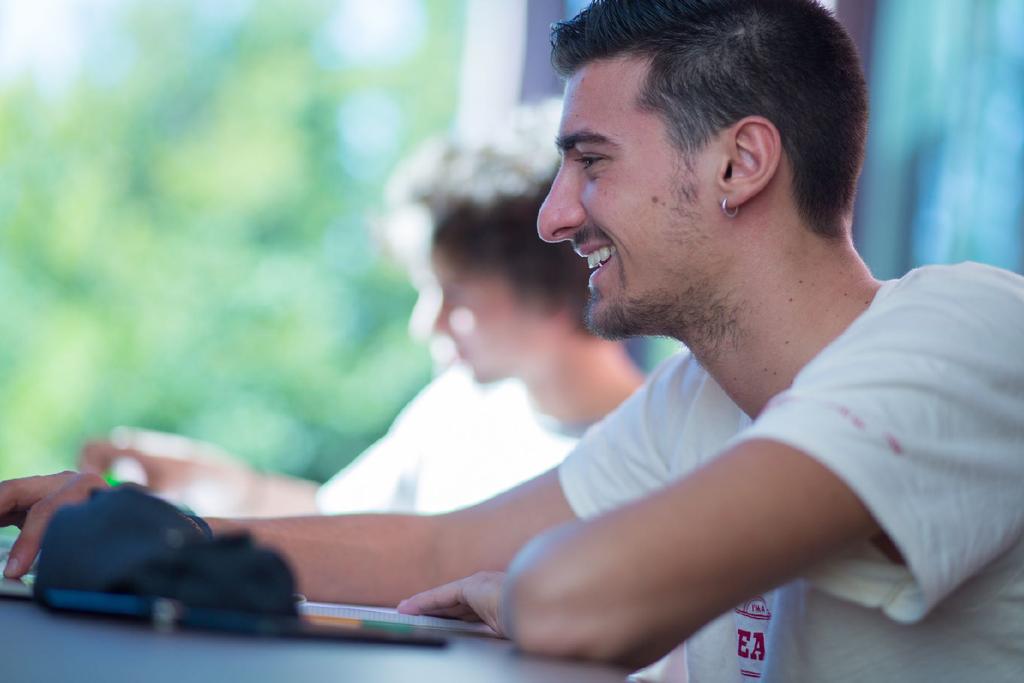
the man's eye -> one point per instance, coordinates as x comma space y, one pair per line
587, 161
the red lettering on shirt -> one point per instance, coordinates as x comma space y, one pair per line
758, 651
752, 619
742, 638
750, 644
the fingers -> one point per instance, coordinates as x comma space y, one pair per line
16, 497
20, 494
165, 463
433, 601
37, 499
475, 598
98, 455
12, 519
131, 465
124, 464
131, 446
461, 611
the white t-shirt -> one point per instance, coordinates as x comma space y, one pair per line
456, 444
918, 407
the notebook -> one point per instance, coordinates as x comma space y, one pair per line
327, 613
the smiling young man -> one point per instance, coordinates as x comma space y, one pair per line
826, 487
853, 444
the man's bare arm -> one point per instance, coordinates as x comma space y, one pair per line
664, 566
380, 559
376, 559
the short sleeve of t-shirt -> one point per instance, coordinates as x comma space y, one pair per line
679, 418
919, 408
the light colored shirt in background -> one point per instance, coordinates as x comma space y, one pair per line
456, 444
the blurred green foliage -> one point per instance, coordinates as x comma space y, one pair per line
183, 239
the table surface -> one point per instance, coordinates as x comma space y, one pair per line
38, 645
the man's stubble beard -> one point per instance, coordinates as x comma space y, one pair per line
704, 322
697, 313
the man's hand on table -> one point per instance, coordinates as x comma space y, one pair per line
31, 502
474, 598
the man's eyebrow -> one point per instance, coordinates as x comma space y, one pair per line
567, 142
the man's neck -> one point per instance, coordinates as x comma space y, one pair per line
785, 317
582, 380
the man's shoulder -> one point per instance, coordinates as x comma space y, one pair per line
951, 316
959, 281
959, 300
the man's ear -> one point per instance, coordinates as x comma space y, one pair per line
753, 152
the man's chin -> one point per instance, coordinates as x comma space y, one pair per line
607, 320
623, 319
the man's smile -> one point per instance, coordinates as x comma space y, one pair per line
592, 244
600, 256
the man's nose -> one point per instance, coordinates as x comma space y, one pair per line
562, 213
442, 320
426, 314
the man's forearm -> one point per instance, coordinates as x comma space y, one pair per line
667, 564
369, 559
381, 559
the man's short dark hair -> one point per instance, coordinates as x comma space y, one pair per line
481, 204
712, 62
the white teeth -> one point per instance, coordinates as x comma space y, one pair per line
596, 258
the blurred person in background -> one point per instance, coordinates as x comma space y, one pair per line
524, 379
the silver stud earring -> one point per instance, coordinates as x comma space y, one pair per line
729, 213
